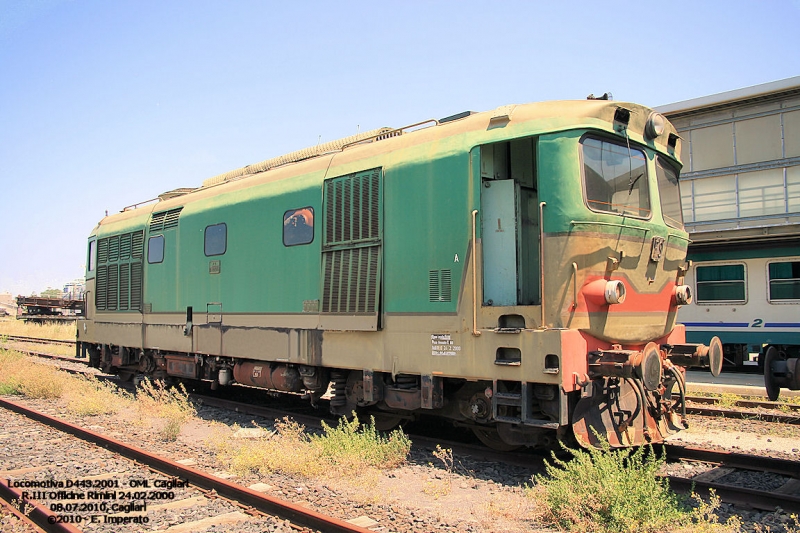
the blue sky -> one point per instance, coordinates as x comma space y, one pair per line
106, 103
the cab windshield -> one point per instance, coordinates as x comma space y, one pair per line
670, 193
615, 178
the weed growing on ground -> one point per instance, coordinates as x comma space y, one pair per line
351, 445
349, 449
728, 400
171, 404
21, 375
86, 396
439, 487
608, 491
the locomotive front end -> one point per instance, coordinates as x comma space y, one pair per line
619, 254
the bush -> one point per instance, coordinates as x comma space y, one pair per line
349, 449
156, 400
87, 396
608, 491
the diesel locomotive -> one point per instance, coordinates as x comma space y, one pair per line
517, 272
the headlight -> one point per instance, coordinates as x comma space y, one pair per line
656, 124
615, 292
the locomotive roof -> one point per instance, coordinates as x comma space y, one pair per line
450, 136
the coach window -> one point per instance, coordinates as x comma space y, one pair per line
216, 241
615, 178
784, 280
92, 260
155, 249
298, 226
720, 283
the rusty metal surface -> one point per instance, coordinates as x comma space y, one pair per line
757, 499
736, 460
39, 515
748, 415
265, 503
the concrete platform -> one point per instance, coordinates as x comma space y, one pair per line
732, 382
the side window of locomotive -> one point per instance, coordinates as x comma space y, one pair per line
720, 283
155, 249
92, 259
615, 178
298, 226
216, 239
784, 280
670, 193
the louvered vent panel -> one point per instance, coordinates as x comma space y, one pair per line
137, 243
352, 208
374, 212
112, 290
124, 286
119, 272
171, 220
102, 251
440, 285
136, 287
351, 280
113, 249
101, 284
125, 247
157, 221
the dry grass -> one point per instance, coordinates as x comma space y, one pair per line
348, 450
23, 376
168, 406
87, 396
12, 326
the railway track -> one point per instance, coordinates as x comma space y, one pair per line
737, 467
142, 488
36, 340
725, 464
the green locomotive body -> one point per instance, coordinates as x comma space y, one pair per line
516, 271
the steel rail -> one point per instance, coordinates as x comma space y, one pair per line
749, 415
758, 499
35, 340
39, 515
753, 404
262, 502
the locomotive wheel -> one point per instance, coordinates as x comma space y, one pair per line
773, 389
491, 439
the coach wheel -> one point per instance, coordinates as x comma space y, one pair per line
773, 388
715, 356
491, 439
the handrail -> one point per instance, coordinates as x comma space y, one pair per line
541, 259
475, 331
574, 285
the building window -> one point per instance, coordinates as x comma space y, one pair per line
784, 280
298, 226
155, 249
720, 283
216, 240
615, 178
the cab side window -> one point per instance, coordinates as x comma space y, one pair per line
216, 239
298, 226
